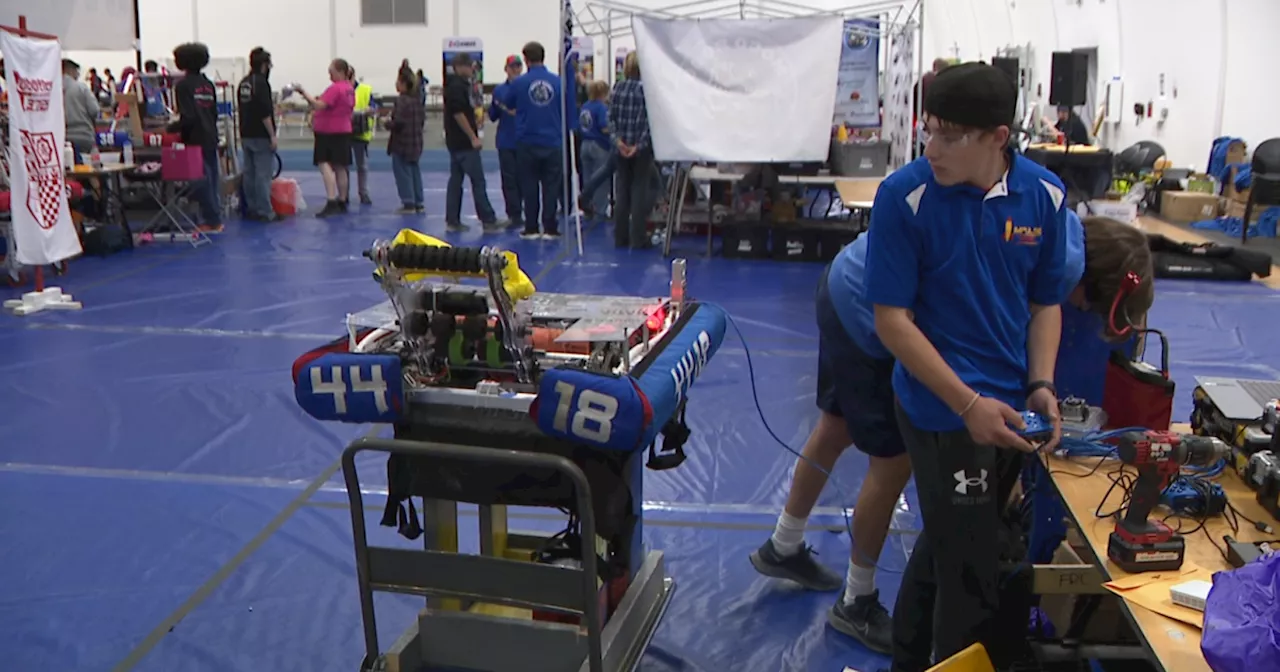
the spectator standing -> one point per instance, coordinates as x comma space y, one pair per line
258, 135
508, 159
596, 146
635, 180
331, 125
197, 123
361, 135
405, 142
461, 137
537, 99
82, 110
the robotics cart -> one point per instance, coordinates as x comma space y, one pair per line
500, 396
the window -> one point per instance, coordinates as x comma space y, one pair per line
393, 12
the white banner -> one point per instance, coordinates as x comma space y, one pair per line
858, 85
41, 218
80, 25
740, 90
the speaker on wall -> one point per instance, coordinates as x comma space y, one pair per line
1008, 66
1068, 78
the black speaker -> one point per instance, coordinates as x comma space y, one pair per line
1068, 78
1008, 66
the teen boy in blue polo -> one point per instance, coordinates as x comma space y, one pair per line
508, 159
856, 403
965, 266
537, 100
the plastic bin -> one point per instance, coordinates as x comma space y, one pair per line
859, 159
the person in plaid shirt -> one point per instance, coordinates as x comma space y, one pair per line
634, 184
405, 142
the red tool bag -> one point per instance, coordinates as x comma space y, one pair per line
1137, 394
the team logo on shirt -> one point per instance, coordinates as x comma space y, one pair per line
1021, 235
541, 93
584, 120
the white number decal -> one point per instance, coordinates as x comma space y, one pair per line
375, 385
593, 418
335, 387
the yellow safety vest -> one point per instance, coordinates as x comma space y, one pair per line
364, 94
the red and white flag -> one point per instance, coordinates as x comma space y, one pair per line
42, 228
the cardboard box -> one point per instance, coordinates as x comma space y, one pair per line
1181, 207
1236, 209
1117, 210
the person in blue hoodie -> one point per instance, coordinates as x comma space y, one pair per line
508, 158
536, 98
596, 147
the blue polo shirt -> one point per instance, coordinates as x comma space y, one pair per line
857, 314
968, 264
506, 138
594, 122
539, 106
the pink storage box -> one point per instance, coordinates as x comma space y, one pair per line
181, 165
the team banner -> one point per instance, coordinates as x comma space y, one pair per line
720, 89
81, 25
858, 85
41, 218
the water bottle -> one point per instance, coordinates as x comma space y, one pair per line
68, 155
95, 158
127, 153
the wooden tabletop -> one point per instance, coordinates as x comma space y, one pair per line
858, 192
105, 169
1175, 645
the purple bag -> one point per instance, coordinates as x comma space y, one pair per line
1242, 618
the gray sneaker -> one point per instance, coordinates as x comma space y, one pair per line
800, 567
865, 620
492, 227
456, 226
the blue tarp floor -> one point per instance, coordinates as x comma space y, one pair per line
163, 502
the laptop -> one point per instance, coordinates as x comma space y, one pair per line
1238, 398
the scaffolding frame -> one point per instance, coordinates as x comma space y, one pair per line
611, 19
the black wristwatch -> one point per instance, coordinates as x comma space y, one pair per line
1041, 385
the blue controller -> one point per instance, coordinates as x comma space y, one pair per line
1037, 427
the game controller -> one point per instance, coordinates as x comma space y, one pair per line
1037, 427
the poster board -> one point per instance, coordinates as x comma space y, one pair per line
619, 60
858, 84
583, 54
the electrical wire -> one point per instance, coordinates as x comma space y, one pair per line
755, 397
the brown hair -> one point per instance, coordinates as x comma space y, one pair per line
343, 67
631, 66
597, 90
1113, 250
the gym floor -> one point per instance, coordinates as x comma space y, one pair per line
178, 512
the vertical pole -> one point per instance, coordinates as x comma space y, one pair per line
568, 87
137, 36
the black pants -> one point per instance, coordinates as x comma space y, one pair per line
950, 594
541, 175
635, 197
509, 167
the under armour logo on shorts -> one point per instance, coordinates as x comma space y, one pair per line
963, 482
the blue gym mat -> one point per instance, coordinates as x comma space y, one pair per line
163, 496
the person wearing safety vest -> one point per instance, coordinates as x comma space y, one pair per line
361, 136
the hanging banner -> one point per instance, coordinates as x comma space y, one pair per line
473, 47
899, 96
858, 84
619, 61
583, 51
720, 89
41, 218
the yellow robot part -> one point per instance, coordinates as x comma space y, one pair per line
516, 282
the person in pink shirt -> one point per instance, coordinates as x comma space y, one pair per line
331, 125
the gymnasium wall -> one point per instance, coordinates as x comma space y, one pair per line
1210, 52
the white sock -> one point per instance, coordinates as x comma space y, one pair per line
788, 536
858, 582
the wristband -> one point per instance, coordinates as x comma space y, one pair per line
1042, 385
969, 406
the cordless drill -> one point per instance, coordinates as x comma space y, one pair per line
1139, 544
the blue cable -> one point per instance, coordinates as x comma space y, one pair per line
755, 396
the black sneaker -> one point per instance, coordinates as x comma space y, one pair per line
800, 567
866, 620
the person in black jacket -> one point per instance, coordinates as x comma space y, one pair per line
258, 135
197, 104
